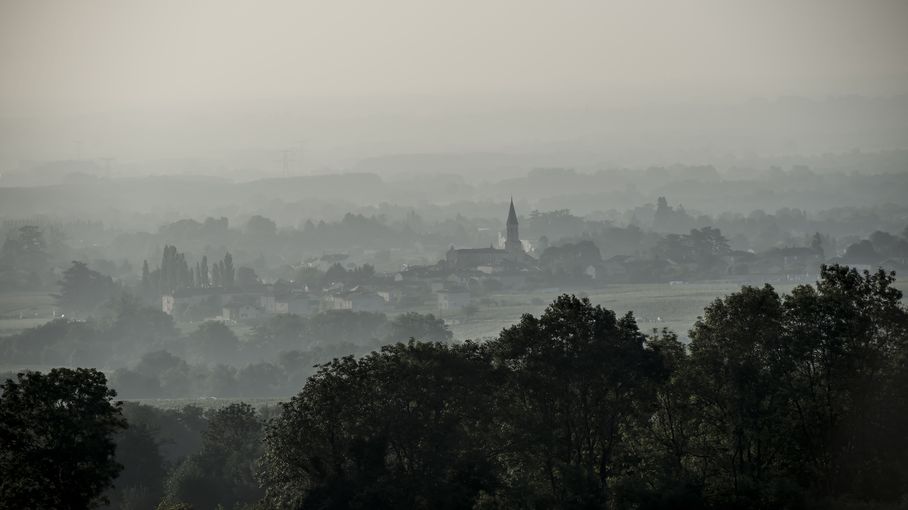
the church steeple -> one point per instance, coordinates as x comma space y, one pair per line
512, 215
512, 241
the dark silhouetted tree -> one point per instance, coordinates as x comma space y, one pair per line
57, 439
222, 473
402, 428
580, 380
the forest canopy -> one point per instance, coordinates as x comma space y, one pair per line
778, 401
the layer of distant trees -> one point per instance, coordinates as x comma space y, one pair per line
701, 253
149, 357
692, 244
287, 349
696, 254
34, 256
779, 401
24, 259
175, 273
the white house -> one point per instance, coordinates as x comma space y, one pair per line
453, 299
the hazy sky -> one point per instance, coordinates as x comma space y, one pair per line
240, 83
115, 55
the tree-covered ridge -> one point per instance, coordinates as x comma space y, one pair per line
778, 401
149, 357
652, 239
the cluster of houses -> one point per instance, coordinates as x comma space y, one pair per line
402, 291
440, 287
446, 287
451, 285
248, 304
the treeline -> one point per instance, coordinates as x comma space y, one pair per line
149, 357
287, 348
176, 273
697, 254
779, 401
116, 455
161, 374
388, 236
639, 229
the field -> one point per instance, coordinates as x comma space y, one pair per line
655, 305
23, 310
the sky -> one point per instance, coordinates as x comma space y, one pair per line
134, 58
103, 55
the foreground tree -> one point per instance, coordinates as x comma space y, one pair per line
801, 398
140, 484
739, 399
401, 428
57, 439
778, 402
580, 381
221, 475
847, 349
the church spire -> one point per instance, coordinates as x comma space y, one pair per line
512, 241
512, 214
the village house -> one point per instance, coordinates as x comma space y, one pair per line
181, 300
453, 299
357, 300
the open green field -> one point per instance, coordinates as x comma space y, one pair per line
655, 305
23, 310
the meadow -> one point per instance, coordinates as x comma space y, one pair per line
23, 310
655, 305
674, 306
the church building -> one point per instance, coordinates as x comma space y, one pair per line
474, 257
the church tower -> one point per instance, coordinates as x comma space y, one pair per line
512, 242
